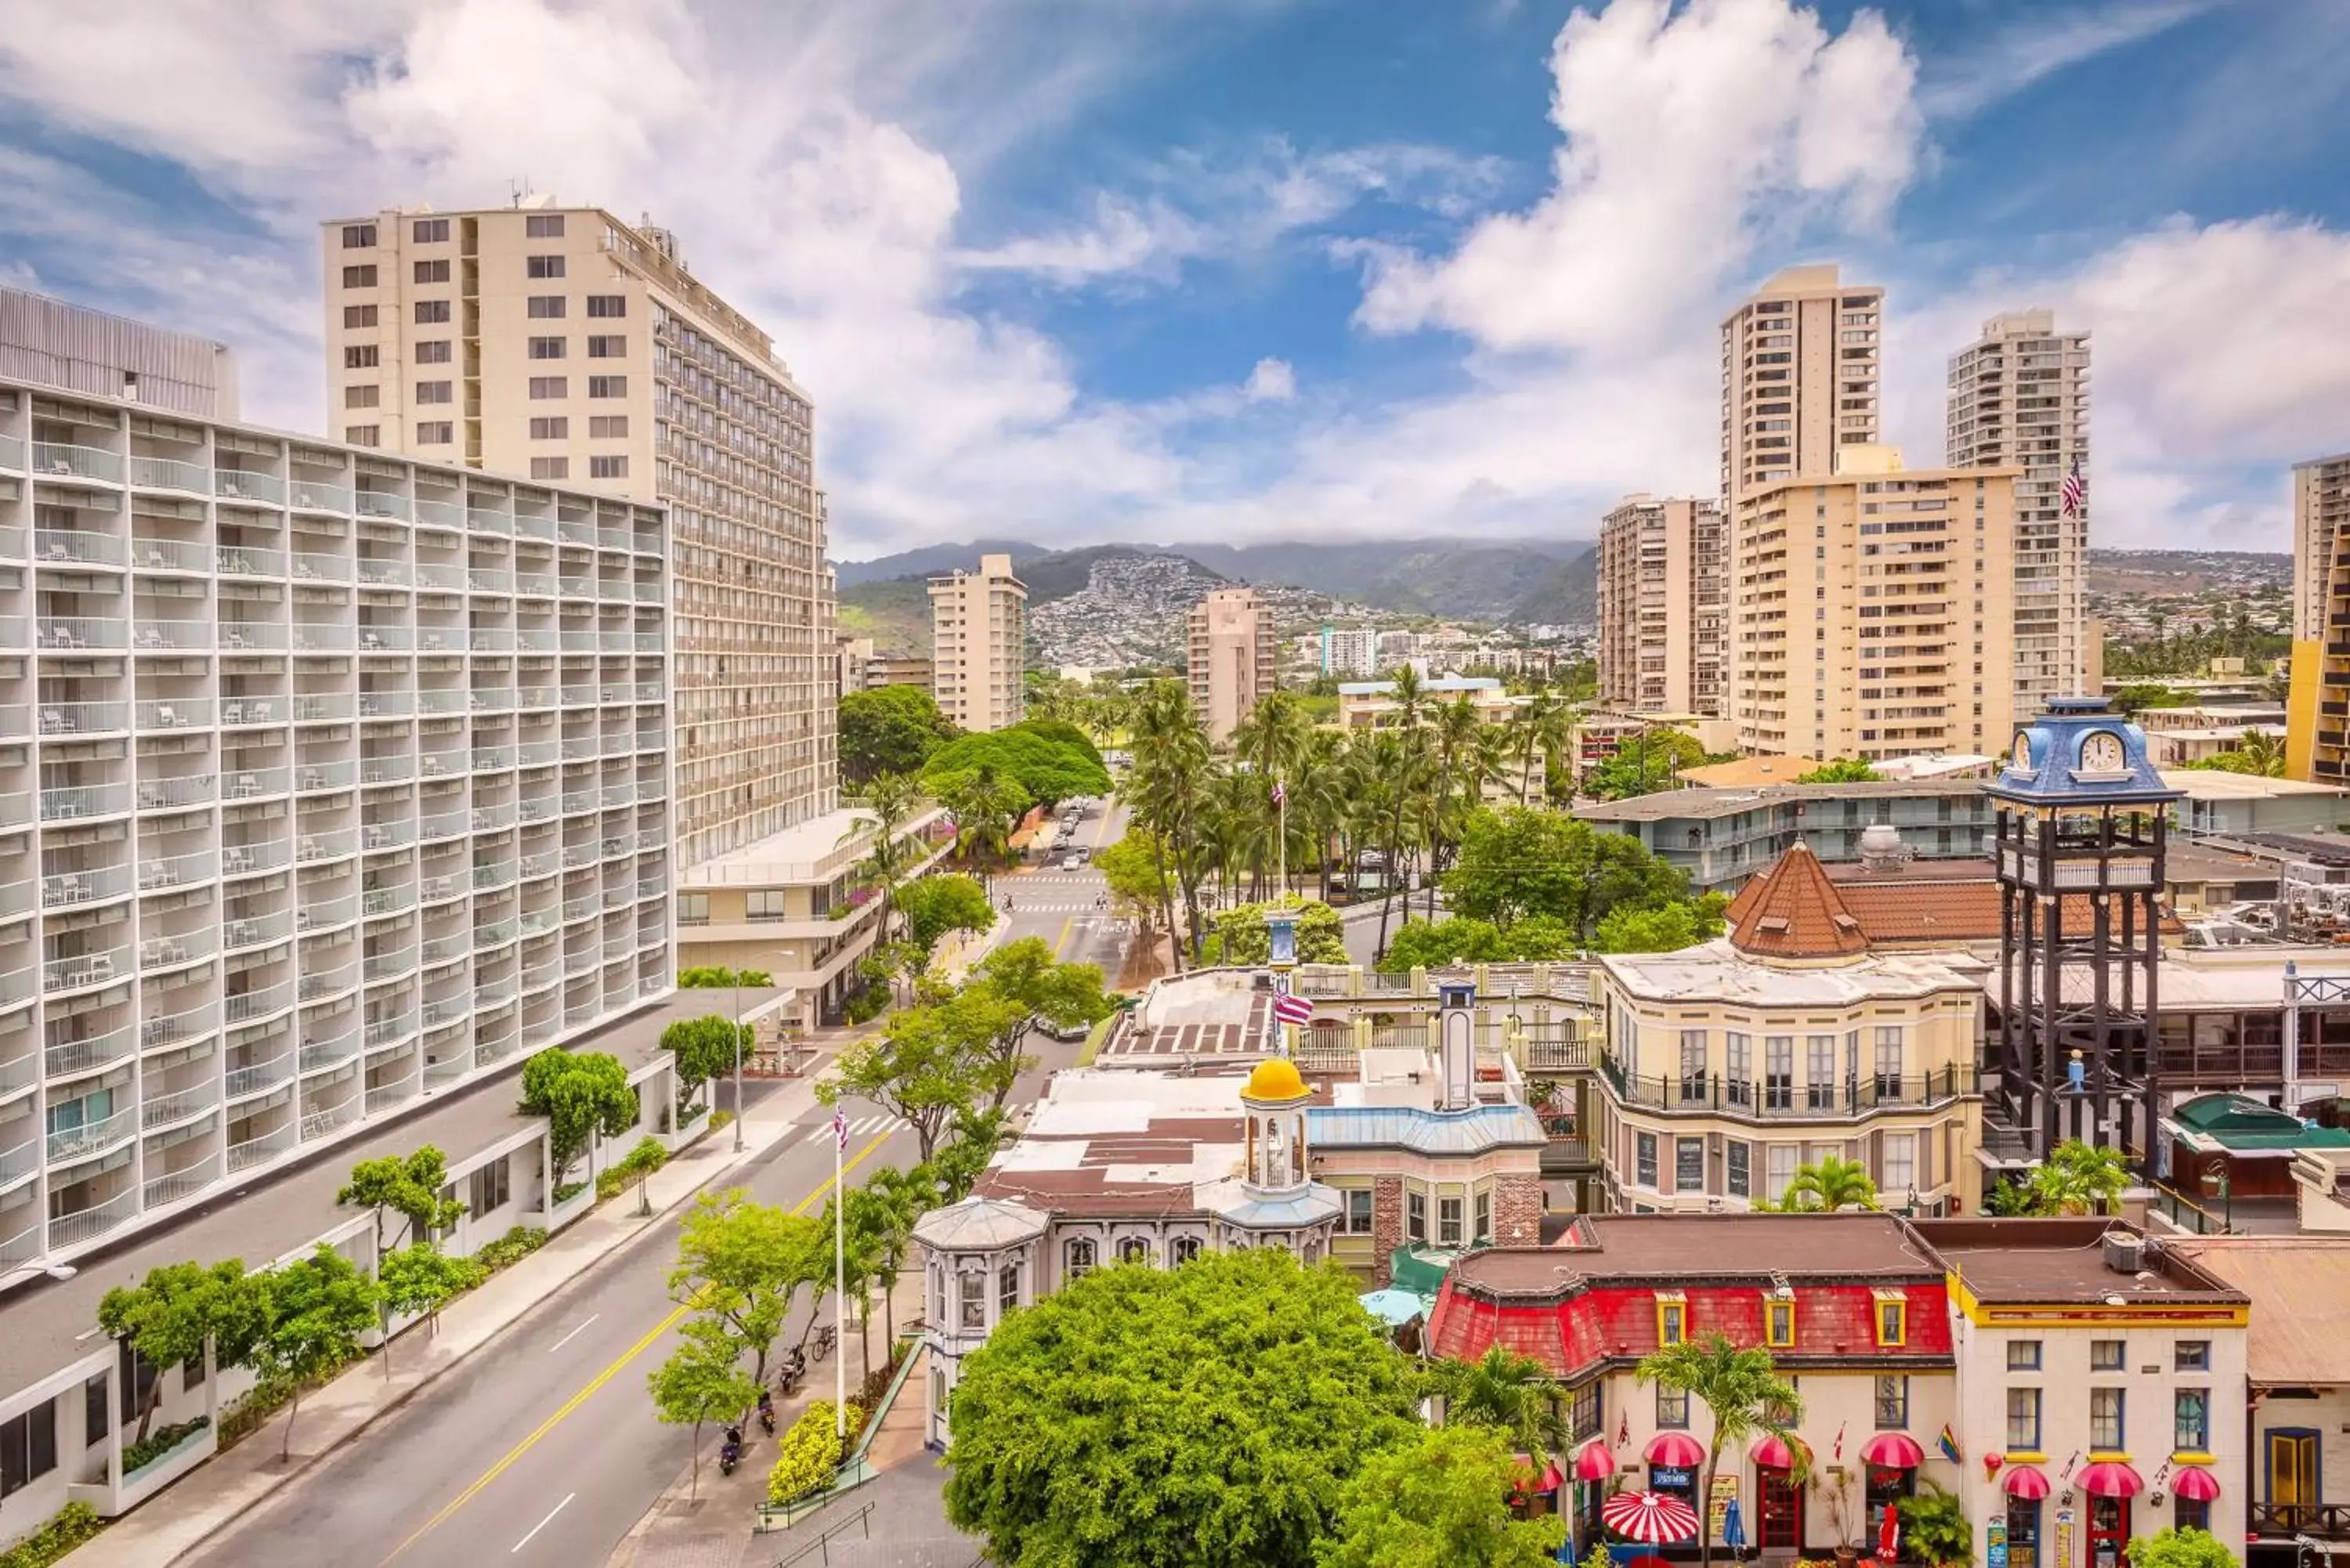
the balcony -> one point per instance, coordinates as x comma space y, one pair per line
382, 1032
322, 707
88, 1224
88, 1055
161, 1191
324, 637
245, 484
330, 1052
55, 460
80, 634
57, 719
83, 970
312, 495
178, 1028
324, 914
67, 1145
388, 900
249, 859
164, 871
60, 547
180, 713
65, 889
316, 847
2323, 1521
376, 573
1770, 1100
256, 784
246, 1006
170, 952
319, 1123
386, 704
334, 982
250, 636
260, 1150
395, 962
249, 561
180, 1105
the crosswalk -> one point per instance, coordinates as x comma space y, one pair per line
859, 1127
1023, 906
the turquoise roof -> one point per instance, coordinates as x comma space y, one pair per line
1473, 1131
2050, 769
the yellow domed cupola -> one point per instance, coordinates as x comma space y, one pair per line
1276, 1081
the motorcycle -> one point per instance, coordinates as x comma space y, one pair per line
767, 1412
793, 1368
730, 1452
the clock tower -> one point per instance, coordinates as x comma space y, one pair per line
2082, 820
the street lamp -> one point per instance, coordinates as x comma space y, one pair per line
2215, 1184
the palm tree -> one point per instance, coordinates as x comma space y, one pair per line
1271, 742
1545, 724
2262, 754
1318, 802
890, 1203
1169, 786
1832, 1184
1512, 1393
893, 799
1745, 1393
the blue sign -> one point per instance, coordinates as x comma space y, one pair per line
1664, 1478
1995, 1544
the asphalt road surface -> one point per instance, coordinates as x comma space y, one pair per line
1063, 907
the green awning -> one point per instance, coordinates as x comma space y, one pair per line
1421, 1269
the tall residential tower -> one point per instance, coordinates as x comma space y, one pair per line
1663, 607
1800, 375
1231, 662
979, 645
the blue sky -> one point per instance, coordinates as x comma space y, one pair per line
1165, 269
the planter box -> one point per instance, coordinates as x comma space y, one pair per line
167, 1467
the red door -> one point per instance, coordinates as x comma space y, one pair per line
2109, 1528
1779, 1511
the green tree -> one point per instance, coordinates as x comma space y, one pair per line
893, 730
1438, 944
702, 1381
916, 1068
581, 1095
420, 1279
1011, 989
1511, 1393
2135, 698
320, 1306
2175, 1547
1242, 936
1841, 770
718, 978
1520, 861
1545, 724
1831, 1184
1935, 1528
1135, 867
935, 906
1665, 929
1152, 1419
1744, 1391
169, 1317
891, 801
955, 1169
738, 1265
1643, 764
987, 805
1051, 768
2075, 1178
2256, 753
1437, 1501
885, 1209
706, 1048
1169, 787
407, 1185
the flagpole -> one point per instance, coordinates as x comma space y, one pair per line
839, 1289
1281, 841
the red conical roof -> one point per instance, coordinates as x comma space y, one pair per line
1793, 911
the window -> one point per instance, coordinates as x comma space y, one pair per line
608, 348
1007, 1289
550, 386
433, 271
434, 392
1892, 1319
1447, 1222
430, 230
970, 1299
1779, 1320
1672, 1318
608, 427
1778, 1073
1415, 1216
546, 306
1481, 1213
1358, 1212
2106, 1428
28, 1447
363, 435
543, 227
546, 348
434, 351
607, 386
607, 306
544, 267
1900, 1161
2108, 1356
1644, 1159
1693, 1065
432, 312
1740, 1171
1888, 1061
764, 904
555, 427
490, 1188
608, 468
694, 908
191, 1372
2190, 1513
1672, 1408
97, 1419
1079, 1256
2191, 1420
1688, 1164
1183, 1249
1779, 1162
1737, 1063
2024, 1355
358, 316
2192, 1355
550, 468
359, 236
362, 357
1819, 1071
365, 397
2023, 1421
1134, 1250
1892, 1402
436, 433
360, 276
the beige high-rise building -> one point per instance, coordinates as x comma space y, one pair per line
979, 645
1231, 658
1871, 610
2321, 514
1800, 375
1664, 590
2019, 397
566, 345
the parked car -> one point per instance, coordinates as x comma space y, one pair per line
1065, 1030
1073, 862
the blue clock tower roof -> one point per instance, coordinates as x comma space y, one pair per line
2080, 752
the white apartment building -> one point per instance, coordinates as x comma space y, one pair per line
1229, 658
1664, 602
327, 779
1350, 650
2019, 397
979, 645
1800, 377
56, 343
565, 344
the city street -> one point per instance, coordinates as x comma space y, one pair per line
1062, 906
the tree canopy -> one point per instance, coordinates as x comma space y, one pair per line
1061, 766
935, 906
1155, 1418
169, 1316
1643, 764
406, 1185
1241, 936
2174, 1548
1841, 770
1522, 860
706, 1047
580, 1094
318, 1308
2075, 1178
893, 730
738, 1265
1441, 1501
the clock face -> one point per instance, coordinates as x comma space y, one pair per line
2102, 752
2024, 751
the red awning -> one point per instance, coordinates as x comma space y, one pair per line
1676, 1449
1893, 1452
1774, 1453
2112, 1478
2196, 1484
2026, 1484
1595, 1462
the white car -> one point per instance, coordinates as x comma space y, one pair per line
1076, 861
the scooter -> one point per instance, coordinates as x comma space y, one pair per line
767, 1412
730, 1452
789, 1372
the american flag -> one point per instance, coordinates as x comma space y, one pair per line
840, 1130
2076, 491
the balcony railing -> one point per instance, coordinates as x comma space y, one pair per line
312, 495
260, 1150
246, 1006
86, 1224
1768, 1099
60, 460
174, 1186
380, 504
177, 1028
64, 889
319, 1123
375, 571
170, 555
180, 713
2325, 1521
314, 707
175, 871
60, 547
245, 484
249, 859
82, 969
88, 1055
92, 1137
166, 1110
75, 634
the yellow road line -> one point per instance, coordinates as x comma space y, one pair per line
1062, 944
659, 1329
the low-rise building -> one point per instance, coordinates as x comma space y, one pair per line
2181, 748
2231, 717
1372, 705
897, 670
1722, 838
2235, 803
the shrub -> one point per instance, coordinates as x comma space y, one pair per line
719, 1119
569, 1191
66, 1529
866, 1005
136, 1456
808, 1454
511, 1248
648, 1156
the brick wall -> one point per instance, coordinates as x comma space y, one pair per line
1517, 1210
1387, 1227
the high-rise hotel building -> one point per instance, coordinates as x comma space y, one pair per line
2019, 397
979, 645
1664, 600
1800, 378
328, 778
565, 344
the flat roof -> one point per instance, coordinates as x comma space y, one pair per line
2029, 1261
1106, 1143
1704, 802
1598, 1248
2300, 1290
796, 853
2210, 783
1716, 972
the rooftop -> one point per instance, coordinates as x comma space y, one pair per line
1672, 804
815, 850
1432, 683
1792, 911
1717, 972
2300, 1290
1128, 1143
1706, 1247
1746, 772
2237, 1124
2206, 784
2034, 1262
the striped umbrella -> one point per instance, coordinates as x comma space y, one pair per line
1652, 1518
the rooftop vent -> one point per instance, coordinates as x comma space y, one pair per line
2125, 1252
1881, 848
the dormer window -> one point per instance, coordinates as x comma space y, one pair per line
1779, 1320
971, 1300
1672, 1318
1892, 1319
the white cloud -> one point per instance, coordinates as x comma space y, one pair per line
2047, 40
1273, 381
1689, 136
1124, 238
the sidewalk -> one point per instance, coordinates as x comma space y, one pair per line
215, 1495
964, 949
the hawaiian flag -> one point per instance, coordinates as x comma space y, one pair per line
839, 1130
2076, 491
1280, 794
1289, 1009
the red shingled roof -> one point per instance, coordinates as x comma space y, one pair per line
1793, 911
1922, 902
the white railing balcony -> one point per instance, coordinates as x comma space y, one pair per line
614, 641
443, 576
441, 889
252, 637
649, 592
491, 700
88, 1224
60, 461
73, 803
162, 635
179, 1105
176, 1028
437, 701
384, 965
81, 547
386, 640
538, 808
324, 637
493, 818
387, 705
239, 933
493, 875
618, 845
649, 691
388, 900
161, 1191
496, 993
83, 718
76, 634
383, 1096
546, 863
649, 643
440, 639
17, 1163
317, 778
619, 744
380, 504
92, 1137
578, 641
579, 908
538, 754
384, 1031
535, 584
436, 951
535, 640
495, 934
579, 696
64, 889
89, 1056
448, 1010
160, 872
576, 803
245, 859
581, 960
489, 519
615, 590
245, 484
332, 982
440, 513
489, 580
316, 847
249, 561
260, 1150
438, 1075
79, 970
334, 1053
652, 790
324, 914
313, 707
442, 824
579, 749
578, 856
616, 538
331, 1119
259, 1077
17, 898
538, 922
616, 898
492, 759
179, 713
253, 712
533, 697
314, 495
393, 835
375, 572
256, 784
576, 531
170, 555
169, 952
317, 568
